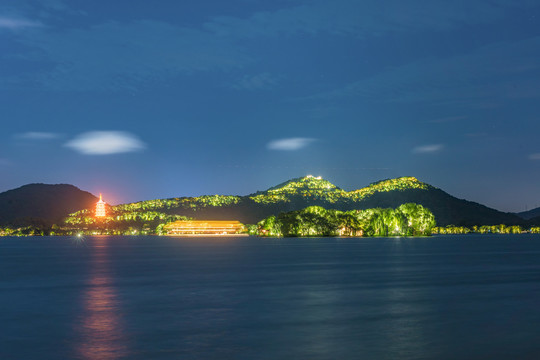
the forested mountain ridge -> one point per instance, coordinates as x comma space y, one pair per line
316, 188
299, 193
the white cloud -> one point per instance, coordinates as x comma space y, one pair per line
535, 156
37, 135
105, 143
12, 23
424, 149
289, 144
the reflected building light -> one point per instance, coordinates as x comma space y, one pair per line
101, 329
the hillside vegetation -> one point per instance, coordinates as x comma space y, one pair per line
299, 193
35, 207
406, 220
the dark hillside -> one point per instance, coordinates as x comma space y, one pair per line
527, 215
448, 210
42, 204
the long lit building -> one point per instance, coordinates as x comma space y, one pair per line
205, 227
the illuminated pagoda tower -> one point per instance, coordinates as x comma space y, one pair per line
100, 208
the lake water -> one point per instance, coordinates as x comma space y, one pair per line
444, 297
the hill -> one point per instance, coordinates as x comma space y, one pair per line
42, 204
533, 214
390, 193
299, 193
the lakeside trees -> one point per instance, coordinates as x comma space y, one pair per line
119, 222
406, 220
485, 229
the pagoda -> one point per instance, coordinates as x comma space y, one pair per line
100, 208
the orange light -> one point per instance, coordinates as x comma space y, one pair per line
100, 208
204, 227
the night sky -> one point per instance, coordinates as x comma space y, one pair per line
151, 99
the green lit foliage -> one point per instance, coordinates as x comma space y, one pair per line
120, 220
270, 198
251, 229
311, 221
420, 220
186, 203
31, 230
269, 227
317, 221
294, 194
451, 229
485, 229
399, 184
308, 187
315, 188
500, 229
174, 203
7, 231
218, 200
86, 217
301, 191
145, 217
351, 224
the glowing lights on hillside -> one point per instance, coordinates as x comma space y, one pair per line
100, 208
309, 188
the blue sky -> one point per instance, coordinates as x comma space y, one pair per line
143, 100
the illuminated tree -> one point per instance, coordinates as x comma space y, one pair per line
420, 220
269, 227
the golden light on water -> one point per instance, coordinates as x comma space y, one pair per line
101, 331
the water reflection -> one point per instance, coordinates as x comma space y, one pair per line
404, 303
101, 332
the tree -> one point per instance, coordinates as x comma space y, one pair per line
420, 220
269, 227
